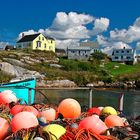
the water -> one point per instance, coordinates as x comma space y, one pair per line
100, 98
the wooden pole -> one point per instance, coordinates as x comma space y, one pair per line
90, 98
120, 104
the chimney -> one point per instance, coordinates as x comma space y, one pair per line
22, 35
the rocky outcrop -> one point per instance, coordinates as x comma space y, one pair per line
14, 62
60, 83
126, 84
18, 71
96, 84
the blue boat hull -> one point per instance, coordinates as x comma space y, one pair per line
24, 89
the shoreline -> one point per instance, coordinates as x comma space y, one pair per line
85, 88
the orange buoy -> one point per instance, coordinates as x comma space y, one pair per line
7, 96
94, 110
23, 120
113, 120
4, 127
31, 109
93, 123
49, 114
69, 108
16, 109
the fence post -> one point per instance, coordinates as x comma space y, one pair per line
29, 95
120, 102
90, 98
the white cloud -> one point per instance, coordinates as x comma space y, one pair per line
100, 25
130, 35
63, 44
65, 21
103, 41
69, 26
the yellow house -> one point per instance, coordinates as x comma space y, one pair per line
36, 42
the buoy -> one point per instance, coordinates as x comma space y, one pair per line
7, 96
23, 120
113, 120
93, 123
94, 110
38, 138
31, 109
101, 108
69, 108
49, 114
4, 128
16, 109
56, 130
108, 110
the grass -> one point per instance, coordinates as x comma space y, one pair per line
121, 69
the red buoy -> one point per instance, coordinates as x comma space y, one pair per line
31, 109
23, 120
4, 127
16, 109
93, 123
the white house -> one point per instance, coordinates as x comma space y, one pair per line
80, 53
124, 55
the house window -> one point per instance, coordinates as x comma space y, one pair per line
79, 52
116, 57
122, 51
45, 45
51, 41
42, 38
128, 57
39, 38
121, 57
117, 51
38, 44
127, 51
50, 47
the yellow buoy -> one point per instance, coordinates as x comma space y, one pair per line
56, 130
108, 110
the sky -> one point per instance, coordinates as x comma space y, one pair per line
113, 23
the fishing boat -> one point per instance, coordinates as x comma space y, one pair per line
23, 89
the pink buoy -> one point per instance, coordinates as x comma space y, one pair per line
4, 128
7, 96
16, 109
93, 123
23, 120
49, 114
31, 109
69, 108
113, 120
